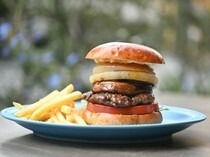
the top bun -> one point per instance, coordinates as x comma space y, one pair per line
120, 52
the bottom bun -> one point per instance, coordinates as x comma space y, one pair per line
93, 118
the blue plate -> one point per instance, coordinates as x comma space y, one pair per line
175, 119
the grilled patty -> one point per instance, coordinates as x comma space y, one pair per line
120, 93
118, 100
126, 87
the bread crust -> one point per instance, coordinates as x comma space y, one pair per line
117, 119
121, 52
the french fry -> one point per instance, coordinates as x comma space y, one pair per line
72, 104
68, 89
18, 105
61, 118
27, 116
70, 118
67, 109
50, 120
56, 107
31, 108
38, 114
78, 119
54, 119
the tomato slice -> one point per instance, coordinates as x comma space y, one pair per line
140, 109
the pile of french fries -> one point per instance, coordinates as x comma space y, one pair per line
56, 107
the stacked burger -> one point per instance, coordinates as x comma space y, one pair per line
122, 84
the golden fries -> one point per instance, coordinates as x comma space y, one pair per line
67, 89
64, 100
67, 109
56, 107
70, 118
31, 108
18, 105
78, 119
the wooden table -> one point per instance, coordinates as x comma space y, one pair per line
194, 141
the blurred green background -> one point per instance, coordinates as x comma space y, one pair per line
43, 42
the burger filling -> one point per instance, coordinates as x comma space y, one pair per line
120, 87
120, 93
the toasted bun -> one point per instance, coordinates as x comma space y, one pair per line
120, 52
117, 119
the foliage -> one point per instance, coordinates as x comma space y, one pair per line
50, 38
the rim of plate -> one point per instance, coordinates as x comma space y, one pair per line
8, 113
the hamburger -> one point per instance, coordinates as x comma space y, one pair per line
122, 85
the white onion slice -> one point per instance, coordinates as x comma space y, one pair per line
115, 75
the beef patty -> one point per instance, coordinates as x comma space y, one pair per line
120, 93
126, 87
118, 100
